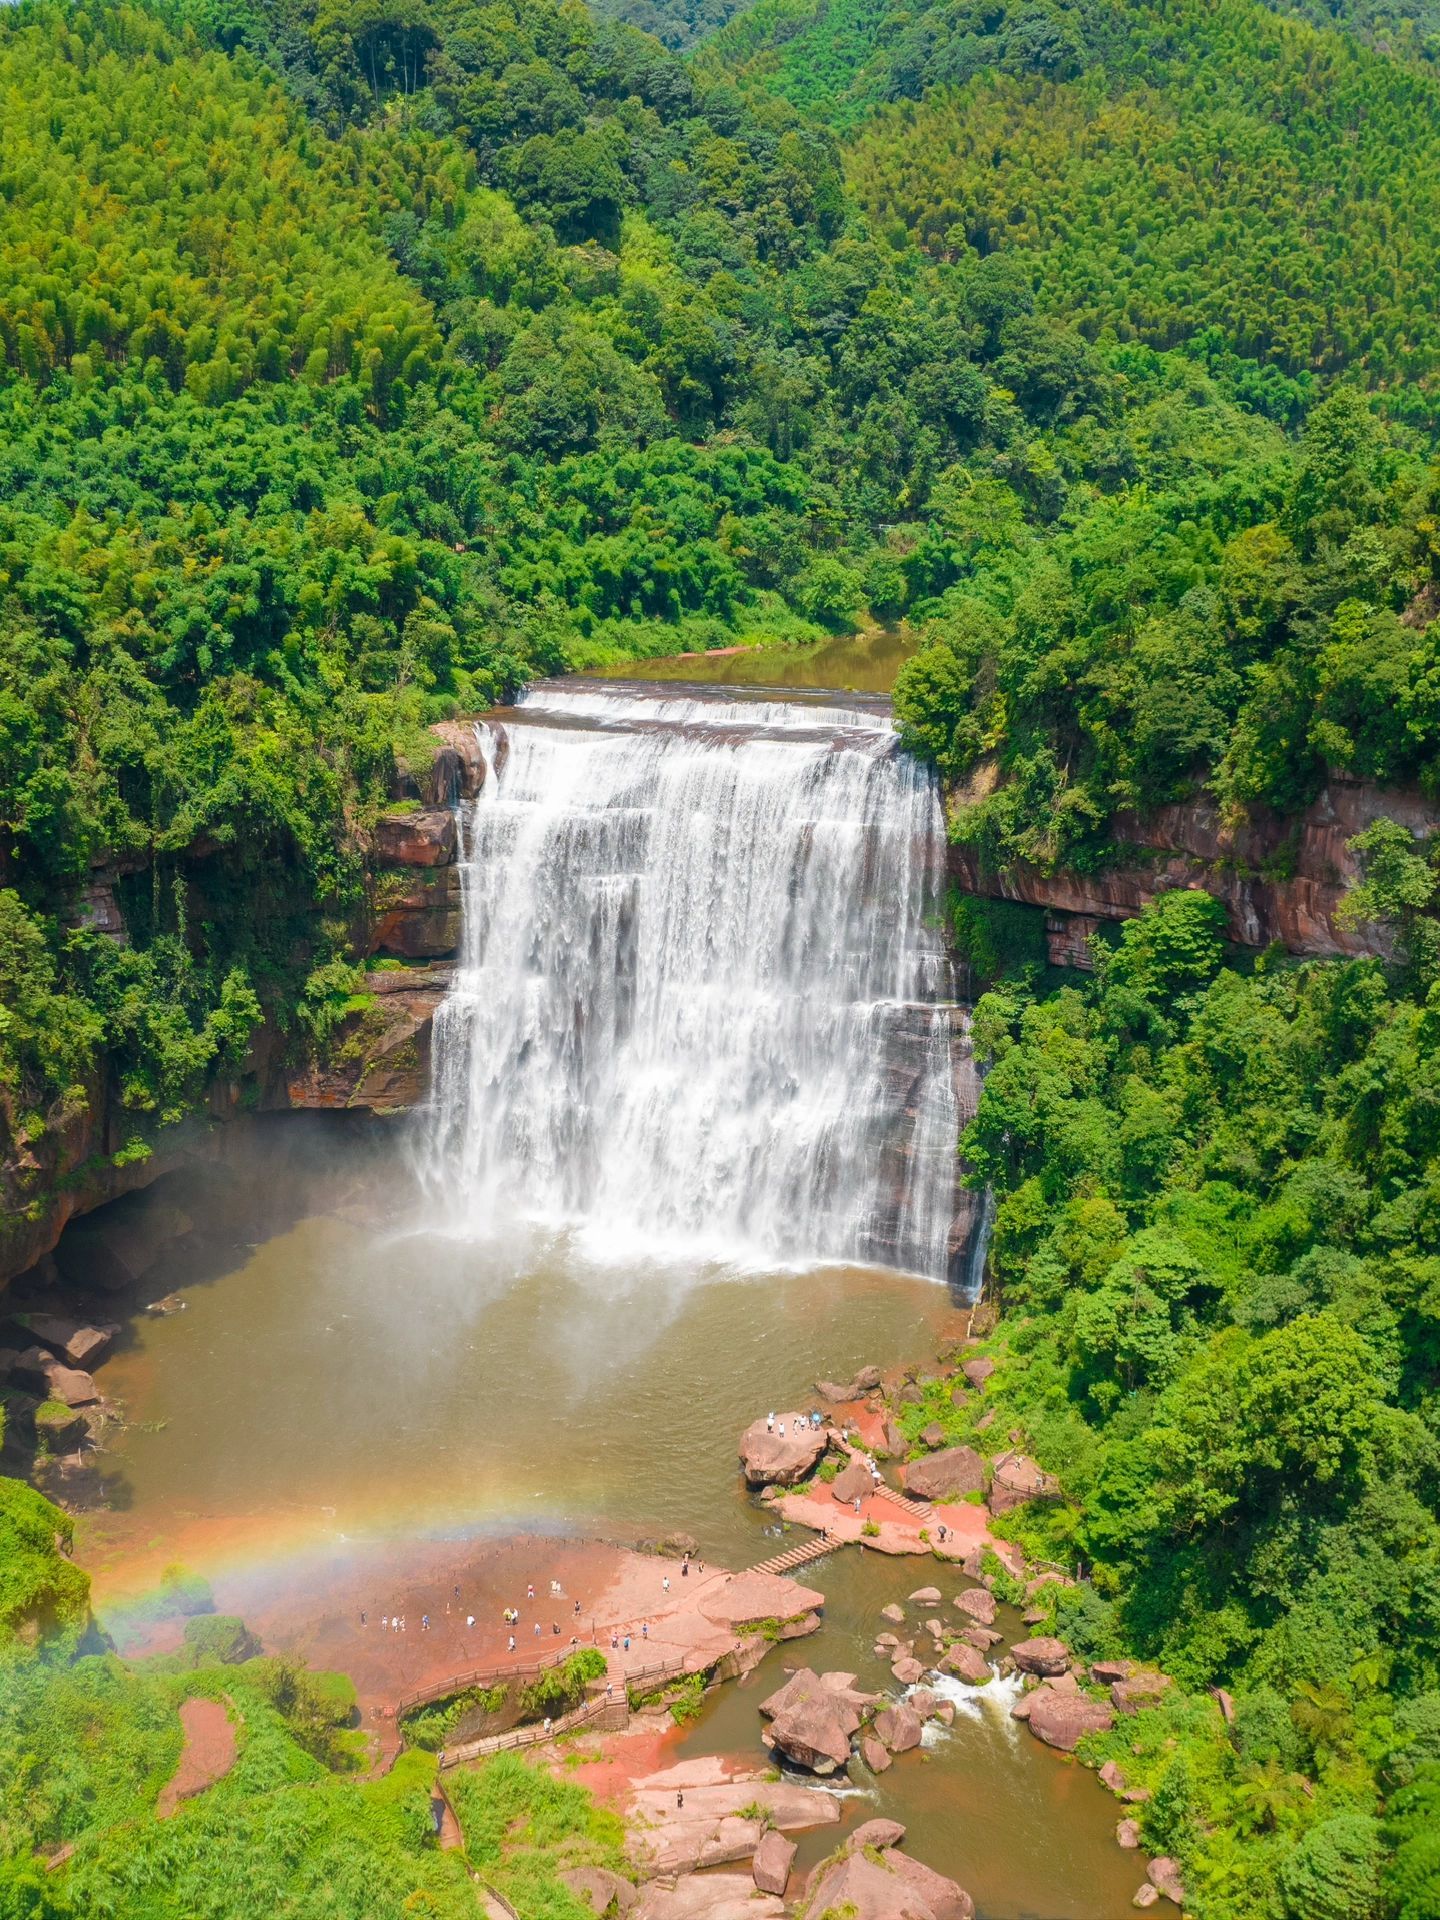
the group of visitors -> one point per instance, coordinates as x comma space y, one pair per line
814, 1419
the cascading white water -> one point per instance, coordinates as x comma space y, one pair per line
700, 1004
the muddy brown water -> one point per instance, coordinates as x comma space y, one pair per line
855, 662
339, 1373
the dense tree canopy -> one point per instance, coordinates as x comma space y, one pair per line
359, 361
1215, 1244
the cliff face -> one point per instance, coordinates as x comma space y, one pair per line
1281, 879
378, 1060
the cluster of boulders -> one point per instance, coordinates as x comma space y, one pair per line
1060, 1704
820, 1721
46, 1368
784, 1449
867, 1878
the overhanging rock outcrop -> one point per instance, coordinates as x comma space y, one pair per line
1280, 878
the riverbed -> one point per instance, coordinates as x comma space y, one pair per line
339, 1373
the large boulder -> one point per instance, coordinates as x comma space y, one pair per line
458, 770
878, 1833
1107, 1670
601, 1890
72, 1341
1164, 1875
707, 1896
945, 1898
977, 1372
811, 1723
1042, 1656
58, 1427
907, 1670
979, 1603
1138, 1690
875, 1753
899, 1726
852, 1483
867, 1380
70, 1385
967, 1665
1015, 1479
423, 838
947, 1475
783, 1455
1063, 1719
894, 1887
774, 1857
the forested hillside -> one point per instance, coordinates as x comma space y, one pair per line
1215, 1241
345, 390
676, 24
356, 364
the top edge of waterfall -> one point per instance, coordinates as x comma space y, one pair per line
729, 707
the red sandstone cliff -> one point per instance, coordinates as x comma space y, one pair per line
378, 1060
1280, 879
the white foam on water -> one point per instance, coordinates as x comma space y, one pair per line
990, 1702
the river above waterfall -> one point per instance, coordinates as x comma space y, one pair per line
857, 662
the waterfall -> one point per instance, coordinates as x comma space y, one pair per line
701, 1003
979, 1252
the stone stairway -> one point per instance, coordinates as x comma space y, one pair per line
920, 1510
795, 1556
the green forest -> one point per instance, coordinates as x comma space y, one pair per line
1215, 1243
360, 362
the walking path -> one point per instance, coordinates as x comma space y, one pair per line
207, 1755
